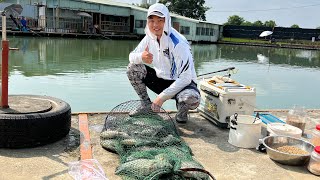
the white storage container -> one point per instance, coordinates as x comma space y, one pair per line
283, 130
221, 100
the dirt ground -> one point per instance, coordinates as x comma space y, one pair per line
209, 145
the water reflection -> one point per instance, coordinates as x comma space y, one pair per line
262, 59
46, 56
54, 56
93, 71
294, 57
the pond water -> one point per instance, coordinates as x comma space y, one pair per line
91, 74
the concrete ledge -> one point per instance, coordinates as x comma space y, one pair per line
209, 145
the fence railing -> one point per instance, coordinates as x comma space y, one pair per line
107, 26
62, 25
32, 23
50, 24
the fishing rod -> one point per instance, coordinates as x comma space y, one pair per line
226, 69
34, 32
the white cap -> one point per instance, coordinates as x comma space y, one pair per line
156, 13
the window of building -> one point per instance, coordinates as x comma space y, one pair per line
203, 31
207, 31
211, 32
198, 31
140, 23
185, 30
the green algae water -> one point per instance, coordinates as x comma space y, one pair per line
91, 74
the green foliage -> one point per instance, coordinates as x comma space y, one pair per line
246, 23
295, 26
235, 20
318, 27
270, 23
190, 8
240, 21
257, 23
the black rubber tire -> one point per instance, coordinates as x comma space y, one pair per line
35, 129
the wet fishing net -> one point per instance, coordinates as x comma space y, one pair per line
148, 145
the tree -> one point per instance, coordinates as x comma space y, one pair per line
246, 23
295, 26
234, 20
270, 23
257, 23
190, 8
318, 27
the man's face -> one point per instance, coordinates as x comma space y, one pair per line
155, 25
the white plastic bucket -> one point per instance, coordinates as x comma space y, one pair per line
245, 131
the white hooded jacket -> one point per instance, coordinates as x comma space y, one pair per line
172, 60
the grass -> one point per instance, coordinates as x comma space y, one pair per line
278, 42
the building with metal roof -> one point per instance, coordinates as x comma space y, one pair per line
109, 18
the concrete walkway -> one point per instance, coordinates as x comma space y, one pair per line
208, 143
44, 162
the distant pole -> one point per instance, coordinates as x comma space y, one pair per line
54, 20
5, 57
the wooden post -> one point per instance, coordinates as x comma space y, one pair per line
85, 146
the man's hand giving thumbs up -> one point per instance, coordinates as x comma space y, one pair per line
147, 57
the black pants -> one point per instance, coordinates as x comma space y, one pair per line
157, 85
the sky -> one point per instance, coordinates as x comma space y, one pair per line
285, 13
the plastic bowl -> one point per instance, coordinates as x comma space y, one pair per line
273, 142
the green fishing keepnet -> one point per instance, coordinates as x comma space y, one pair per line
148, 145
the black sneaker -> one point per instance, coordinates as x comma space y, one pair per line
182, 117
182, 113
